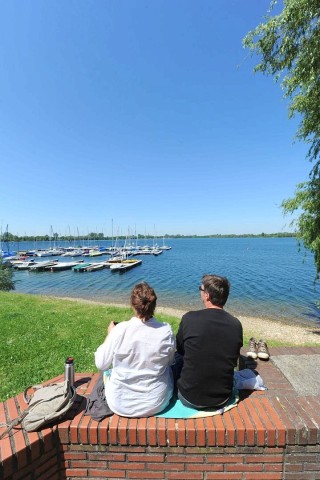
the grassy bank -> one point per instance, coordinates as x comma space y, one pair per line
38, 333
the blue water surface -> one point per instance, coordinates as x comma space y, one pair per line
269, 277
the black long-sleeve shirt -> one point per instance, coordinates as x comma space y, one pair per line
210, 342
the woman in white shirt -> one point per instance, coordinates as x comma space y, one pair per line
140, 351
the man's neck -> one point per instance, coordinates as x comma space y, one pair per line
210, 305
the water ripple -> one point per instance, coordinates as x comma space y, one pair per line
268, 278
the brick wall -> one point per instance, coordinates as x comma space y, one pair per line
270, 435
184, 463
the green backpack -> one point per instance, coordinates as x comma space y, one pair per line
48, 403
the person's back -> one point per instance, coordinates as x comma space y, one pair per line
141, 381
209, 341
140, 352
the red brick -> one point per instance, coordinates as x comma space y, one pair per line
210, 429
88, 464
186, 458
270, 429
166, 467
171, 432
93, 432
259, 427
254, 467
132, 431
145, 475
273, 467
184, 475
200, 432
75, 423
240, 429
264, 458
281, 429
264, 476
70, 472
204, 467
126, 466
146, 458
83, 429
113, 429
112, 457
142, 431
32, 437
152, 431
303, 409
47, 463
312, 466
230, 430
220, 430
222, 476
225, 459
75, 456
190, 432
51, 474
181, 432
103, 429
63, 431
290, 429
106, 473
122, 430
162, 433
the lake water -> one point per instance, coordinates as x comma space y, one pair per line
269, 277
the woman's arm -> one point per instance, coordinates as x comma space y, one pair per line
104, 353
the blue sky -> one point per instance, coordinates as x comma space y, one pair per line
144, 112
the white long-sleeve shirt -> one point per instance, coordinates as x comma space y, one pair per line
140, 353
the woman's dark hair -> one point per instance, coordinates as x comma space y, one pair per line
143, 300
217, 287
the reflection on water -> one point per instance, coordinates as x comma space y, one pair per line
268, 277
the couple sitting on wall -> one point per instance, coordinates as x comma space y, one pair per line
148, 364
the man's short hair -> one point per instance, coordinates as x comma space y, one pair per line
218, 289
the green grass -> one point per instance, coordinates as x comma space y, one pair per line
38, 333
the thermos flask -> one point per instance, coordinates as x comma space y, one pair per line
69, 370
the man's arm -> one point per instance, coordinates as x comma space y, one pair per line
179, 338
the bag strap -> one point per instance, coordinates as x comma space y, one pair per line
27, 397
14, 423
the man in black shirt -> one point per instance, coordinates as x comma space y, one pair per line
209, 341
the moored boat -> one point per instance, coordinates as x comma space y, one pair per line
62, 266
125, 265
42, 266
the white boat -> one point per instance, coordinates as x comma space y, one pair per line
164, 247
24, 265
73, 253
96, 253
62, 266
95, 266
48, 253
125, 265
42, 266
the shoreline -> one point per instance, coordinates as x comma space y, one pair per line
260, 328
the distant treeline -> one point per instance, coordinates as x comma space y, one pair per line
9, 237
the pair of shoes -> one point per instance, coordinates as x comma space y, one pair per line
258, 349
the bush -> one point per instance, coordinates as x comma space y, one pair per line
6, 277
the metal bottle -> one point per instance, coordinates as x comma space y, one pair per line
69, 370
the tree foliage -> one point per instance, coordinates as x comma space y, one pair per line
6, 277
288, 45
